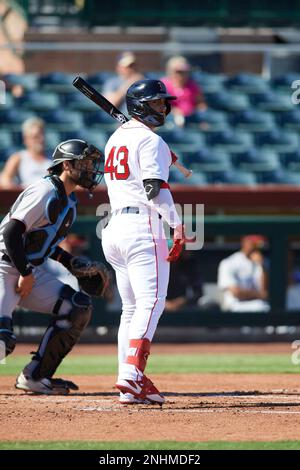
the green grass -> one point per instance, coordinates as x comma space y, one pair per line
164, 364
151, 445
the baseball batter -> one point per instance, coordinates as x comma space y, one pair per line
37, 222
136, 170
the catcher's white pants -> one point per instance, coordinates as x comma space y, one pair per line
135, 245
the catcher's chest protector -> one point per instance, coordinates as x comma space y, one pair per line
61, 213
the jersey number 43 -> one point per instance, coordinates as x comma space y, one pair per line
117, 163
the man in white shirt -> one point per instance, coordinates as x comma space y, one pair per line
242, 278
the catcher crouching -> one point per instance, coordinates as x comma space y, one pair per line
30, 233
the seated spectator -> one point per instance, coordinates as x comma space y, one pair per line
242, 278
179, 83
116, 87
28, 165
185, 286
293, 288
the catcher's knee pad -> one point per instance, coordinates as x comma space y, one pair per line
76, 307
57, 342
7, 338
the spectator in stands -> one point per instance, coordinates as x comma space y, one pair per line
293, 289
116, 87
28, 165
179, 83
242, 278
185, 286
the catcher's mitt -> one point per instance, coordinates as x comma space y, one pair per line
93, 277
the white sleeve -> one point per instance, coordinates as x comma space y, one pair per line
155, 158
164, 205
226, 277
31, 207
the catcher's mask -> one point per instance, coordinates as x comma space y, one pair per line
87, 162
140, 93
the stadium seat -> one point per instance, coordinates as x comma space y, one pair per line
280, 176
284, 82
229, 140
96, 137
176, 177
228, 101
52, 139
252, 120
79, 102
6, 101
182, 139
38, 101
209, 120
206, 160
153, 75
278, 140
28, 81
100, 119
233, 177
6, 140
98, 79
63, 120
209, 83
290, 120
291, 161
246, 83
58, 82
271, 101
13, 118
256, 160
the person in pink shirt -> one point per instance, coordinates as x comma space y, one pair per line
179, 83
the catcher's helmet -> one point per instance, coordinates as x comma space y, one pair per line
87, 162
140, 93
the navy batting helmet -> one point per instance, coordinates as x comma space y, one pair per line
140, 93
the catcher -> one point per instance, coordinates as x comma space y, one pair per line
37, 222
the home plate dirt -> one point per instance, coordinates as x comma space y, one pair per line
199, 407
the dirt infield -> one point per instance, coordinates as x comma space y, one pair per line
199, 407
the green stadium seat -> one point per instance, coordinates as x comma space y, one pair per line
209, 120
228, 101
271, 101
57, 82
252, 120
38, 101
280, 176
289, 120
278, 140
28, 81
256, 160
209, 83
247, 83
229, 141
233, 177
63, 120
79, 102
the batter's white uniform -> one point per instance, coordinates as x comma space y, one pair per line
240, 271
134, 242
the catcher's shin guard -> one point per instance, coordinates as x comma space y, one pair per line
57, 342
7, 337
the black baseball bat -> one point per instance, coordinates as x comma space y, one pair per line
99, 99
114, 112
